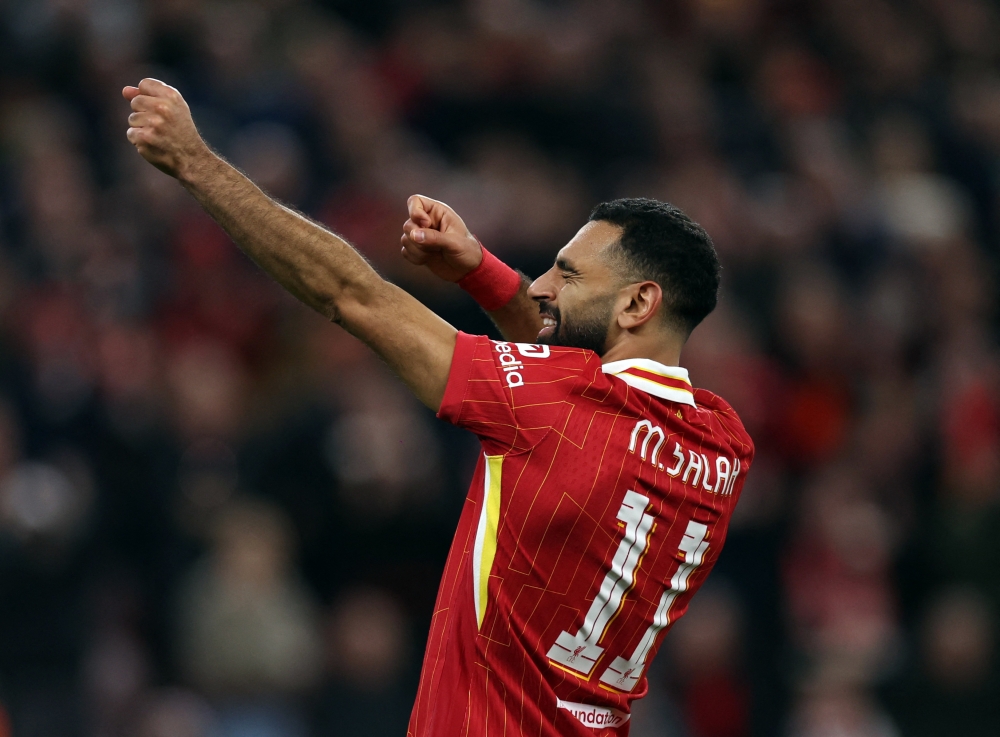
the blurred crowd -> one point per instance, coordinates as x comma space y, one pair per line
222, 517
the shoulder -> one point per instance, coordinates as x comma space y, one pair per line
529, 363
517, 374
512, 394
721, 412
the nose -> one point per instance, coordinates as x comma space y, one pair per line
543, 288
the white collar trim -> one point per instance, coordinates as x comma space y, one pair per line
675, 385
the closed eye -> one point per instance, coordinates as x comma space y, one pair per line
565, 267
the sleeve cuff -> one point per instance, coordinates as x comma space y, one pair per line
492, 284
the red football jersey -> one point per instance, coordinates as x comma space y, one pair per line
599, 506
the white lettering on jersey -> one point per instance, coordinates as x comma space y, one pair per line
694, 464
509, 364
722, 471
580, 651
623, 674
679, 455
651, 430
697, 467
597, 717
704, 479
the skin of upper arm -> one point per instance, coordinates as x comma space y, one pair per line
416, 344
327, 273
314, 264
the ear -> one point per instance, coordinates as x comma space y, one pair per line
642, 302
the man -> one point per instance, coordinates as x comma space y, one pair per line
605, 489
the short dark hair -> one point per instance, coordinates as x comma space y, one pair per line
662, 244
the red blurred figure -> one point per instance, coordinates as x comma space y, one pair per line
705, 645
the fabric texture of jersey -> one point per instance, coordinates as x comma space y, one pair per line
599, 505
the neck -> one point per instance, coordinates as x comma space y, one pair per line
665, 349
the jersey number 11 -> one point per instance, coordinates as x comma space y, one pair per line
581, 650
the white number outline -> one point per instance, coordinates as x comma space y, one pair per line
579, 652
623, 674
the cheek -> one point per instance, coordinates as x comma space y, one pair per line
567, 306
589, 309
574, 300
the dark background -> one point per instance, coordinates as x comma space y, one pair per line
221, 516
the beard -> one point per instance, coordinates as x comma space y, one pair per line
586, 328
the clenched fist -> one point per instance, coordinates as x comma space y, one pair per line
162, 129
436, 237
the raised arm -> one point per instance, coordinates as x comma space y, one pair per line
312, 263
436, 237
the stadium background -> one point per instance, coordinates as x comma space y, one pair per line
221, 516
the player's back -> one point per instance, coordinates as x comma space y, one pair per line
599, 506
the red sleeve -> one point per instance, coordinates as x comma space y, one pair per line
512, 394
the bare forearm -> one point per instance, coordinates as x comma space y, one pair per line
326, 273
309, 261
519, 320
315, 265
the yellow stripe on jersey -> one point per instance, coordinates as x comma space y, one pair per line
485, 549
